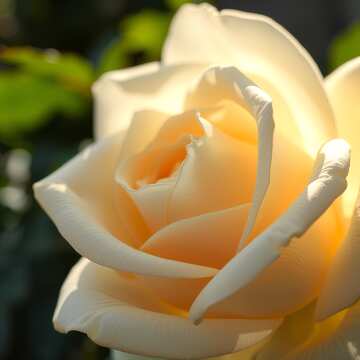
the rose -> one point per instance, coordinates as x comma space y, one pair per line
190, 205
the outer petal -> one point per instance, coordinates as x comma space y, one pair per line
209, 239
342, 287
300, 337
120, 355
294, 331
209, 156
289, 283
334, 339
228, 83
117, 313
142, 130
247, 354
81, 200
343, 87
119, 94
327, 183
254, 43
149, 176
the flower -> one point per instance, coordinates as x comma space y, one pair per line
205, 229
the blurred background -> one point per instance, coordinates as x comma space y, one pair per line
50, 53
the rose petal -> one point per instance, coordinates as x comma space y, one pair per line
253, 43
292, 333
300, 337
139, 174
232, 119
120, 355
209, 156
335, 338
117, 313
152, 198
246, 354
81, 200
119, 94
289, 283
342, 288
228, 83
288, 273
343, 88
327, 183
144, 126
209, 239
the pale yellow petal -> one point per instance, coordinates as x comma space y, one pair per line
262, 49
149, 176
228, 83
246, 354
216, 164
110, 103
342, 287
294, 331
115, 312
326, 184
290, 282
178, 292
343, 88
144, 126
119, 94
336, 338
301, 338
120, 355
232, 119
98, 219
210, 239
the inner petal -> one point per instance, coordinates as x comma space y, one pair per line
219, 173
154, 165
158, 176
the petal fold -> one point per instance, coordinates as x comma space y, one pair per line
98, 219
115, 312
327, 183
342, 287
228, 83
252, 43
300, 337
343, 88
119, 94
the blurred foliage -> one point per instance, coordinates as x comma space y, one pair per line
175, 4
71, 70
140, 35
345, 47
61, 81
45, 117
20, 109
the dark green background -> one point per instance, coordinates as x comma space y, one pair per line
46, 116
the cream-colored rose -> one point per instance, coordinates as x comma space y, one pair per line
205, 210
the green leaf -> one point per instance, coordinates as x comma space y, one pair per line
345, 47
72, 71
142, 33
114, 57
175, 4
27, 101
146, 31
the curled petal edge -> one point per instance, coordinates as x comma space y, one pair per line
237, 87
326, 184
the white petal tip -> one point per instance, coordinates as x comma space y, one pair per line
195, 317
